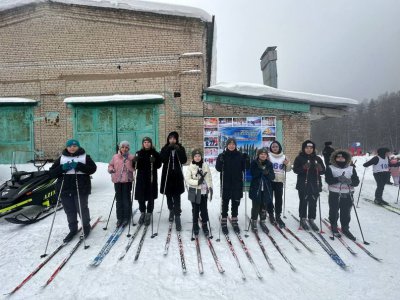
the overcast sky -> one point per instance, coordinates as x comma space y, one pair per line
346, 48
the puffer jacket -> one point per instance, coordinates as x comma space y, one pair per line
121, 168
192, 177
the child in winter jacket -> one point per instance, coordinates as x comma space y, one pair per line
173, 156
308, 167
260, 193
199, 180
380, 168
281, 165
341, 177
231, 163
394, 168
121, 170
73, 169
147, 161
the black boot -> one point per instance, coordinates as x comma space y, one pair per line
204, 226
313, 225
279, 221
253, 224
86, 230
171, 216
224, 226
264, 226
178, 224
196, 229
141, 218
70, 236
235, 224
272, 218
147, 219
335, 231
348, 234
303, 224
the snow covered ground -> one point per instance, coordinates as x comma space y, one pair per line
155, 276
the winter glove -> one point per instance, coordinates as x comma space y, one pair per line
66, 166
152, 159
200, 181
307, 165
344, 180
173, 146
221, 158
73, 164
210, 190
260, 165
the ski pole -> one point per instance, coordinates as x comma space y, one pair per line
151, 190
221, 195
109, 215
209, 225
54, 217
319, 198
245, 205
284, 194
132, 195
162, 200
398, 191
80, 210
362, 181
358, 220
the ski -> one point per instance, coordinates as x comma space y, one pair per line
167, 242
364, 249
214, 254
340, 238
386, 206
263, 249
107, 246
131, 239
228, 240
285, 236
141, 242
199, 259
334, 257
181, 253
73, 250
247, 252
298, 239
40, 266
266, 231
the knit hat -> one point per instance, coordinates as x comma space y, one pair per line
72, 142
328, 143
146, 138
262, 150
279, 145
124, 143
230, 140
308, 143
173, 134
197, 151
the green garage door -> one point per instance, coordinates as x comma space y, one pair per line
16, 132
99, 128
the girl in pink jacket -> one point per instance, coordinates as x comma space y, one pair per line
122, 171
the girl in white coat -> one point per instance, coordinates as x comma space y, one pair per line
198, 178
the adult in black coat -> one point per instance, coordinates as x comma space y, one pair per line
231, 164
308, 167
173, 156
74, 165
327, 152
146, 181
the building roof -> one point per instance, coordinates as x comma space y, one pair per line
113, 98
134, 5
260, 91
11, 100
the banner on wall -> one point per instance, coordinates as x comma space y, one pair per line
251, 134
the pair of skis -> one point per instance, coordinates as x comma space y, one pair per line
388, 207
49, 257
180, 245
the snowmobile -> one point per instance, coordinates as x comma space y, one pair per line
28, 189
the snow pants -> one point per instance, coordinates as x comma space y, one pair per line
71, 208
123, 200
308, 201
343, 203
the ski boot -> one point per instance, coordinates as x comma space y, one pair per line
348, 234
147, 219
120, 223
70, 236
141, 218
303, 224
279, 221
264, 226
204, 226
224, 226
178, 224
272, 218
313, 225
195, 229
171, 215
86, 230
235, 225
335, 231
253, 224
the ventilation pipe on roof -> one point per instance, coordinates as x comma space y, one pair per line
268, 67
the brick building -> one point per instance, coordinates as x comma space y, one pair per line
104, 72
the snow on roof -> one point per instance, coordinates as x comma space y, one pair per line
267, 92
16, 100
136, 5
113, 98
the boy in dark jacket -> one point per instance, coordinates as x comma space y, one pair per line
231, 164
327, 152
341, 177
262, 174
380, 168
74, 165
308, 167
173, 156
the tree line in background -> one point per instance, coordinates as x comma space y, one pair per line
374, 124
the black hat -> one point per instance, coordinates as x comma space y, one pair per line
262, 150
146, 138
197, 151
173, 134
230, 140
328, 143
308, 143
